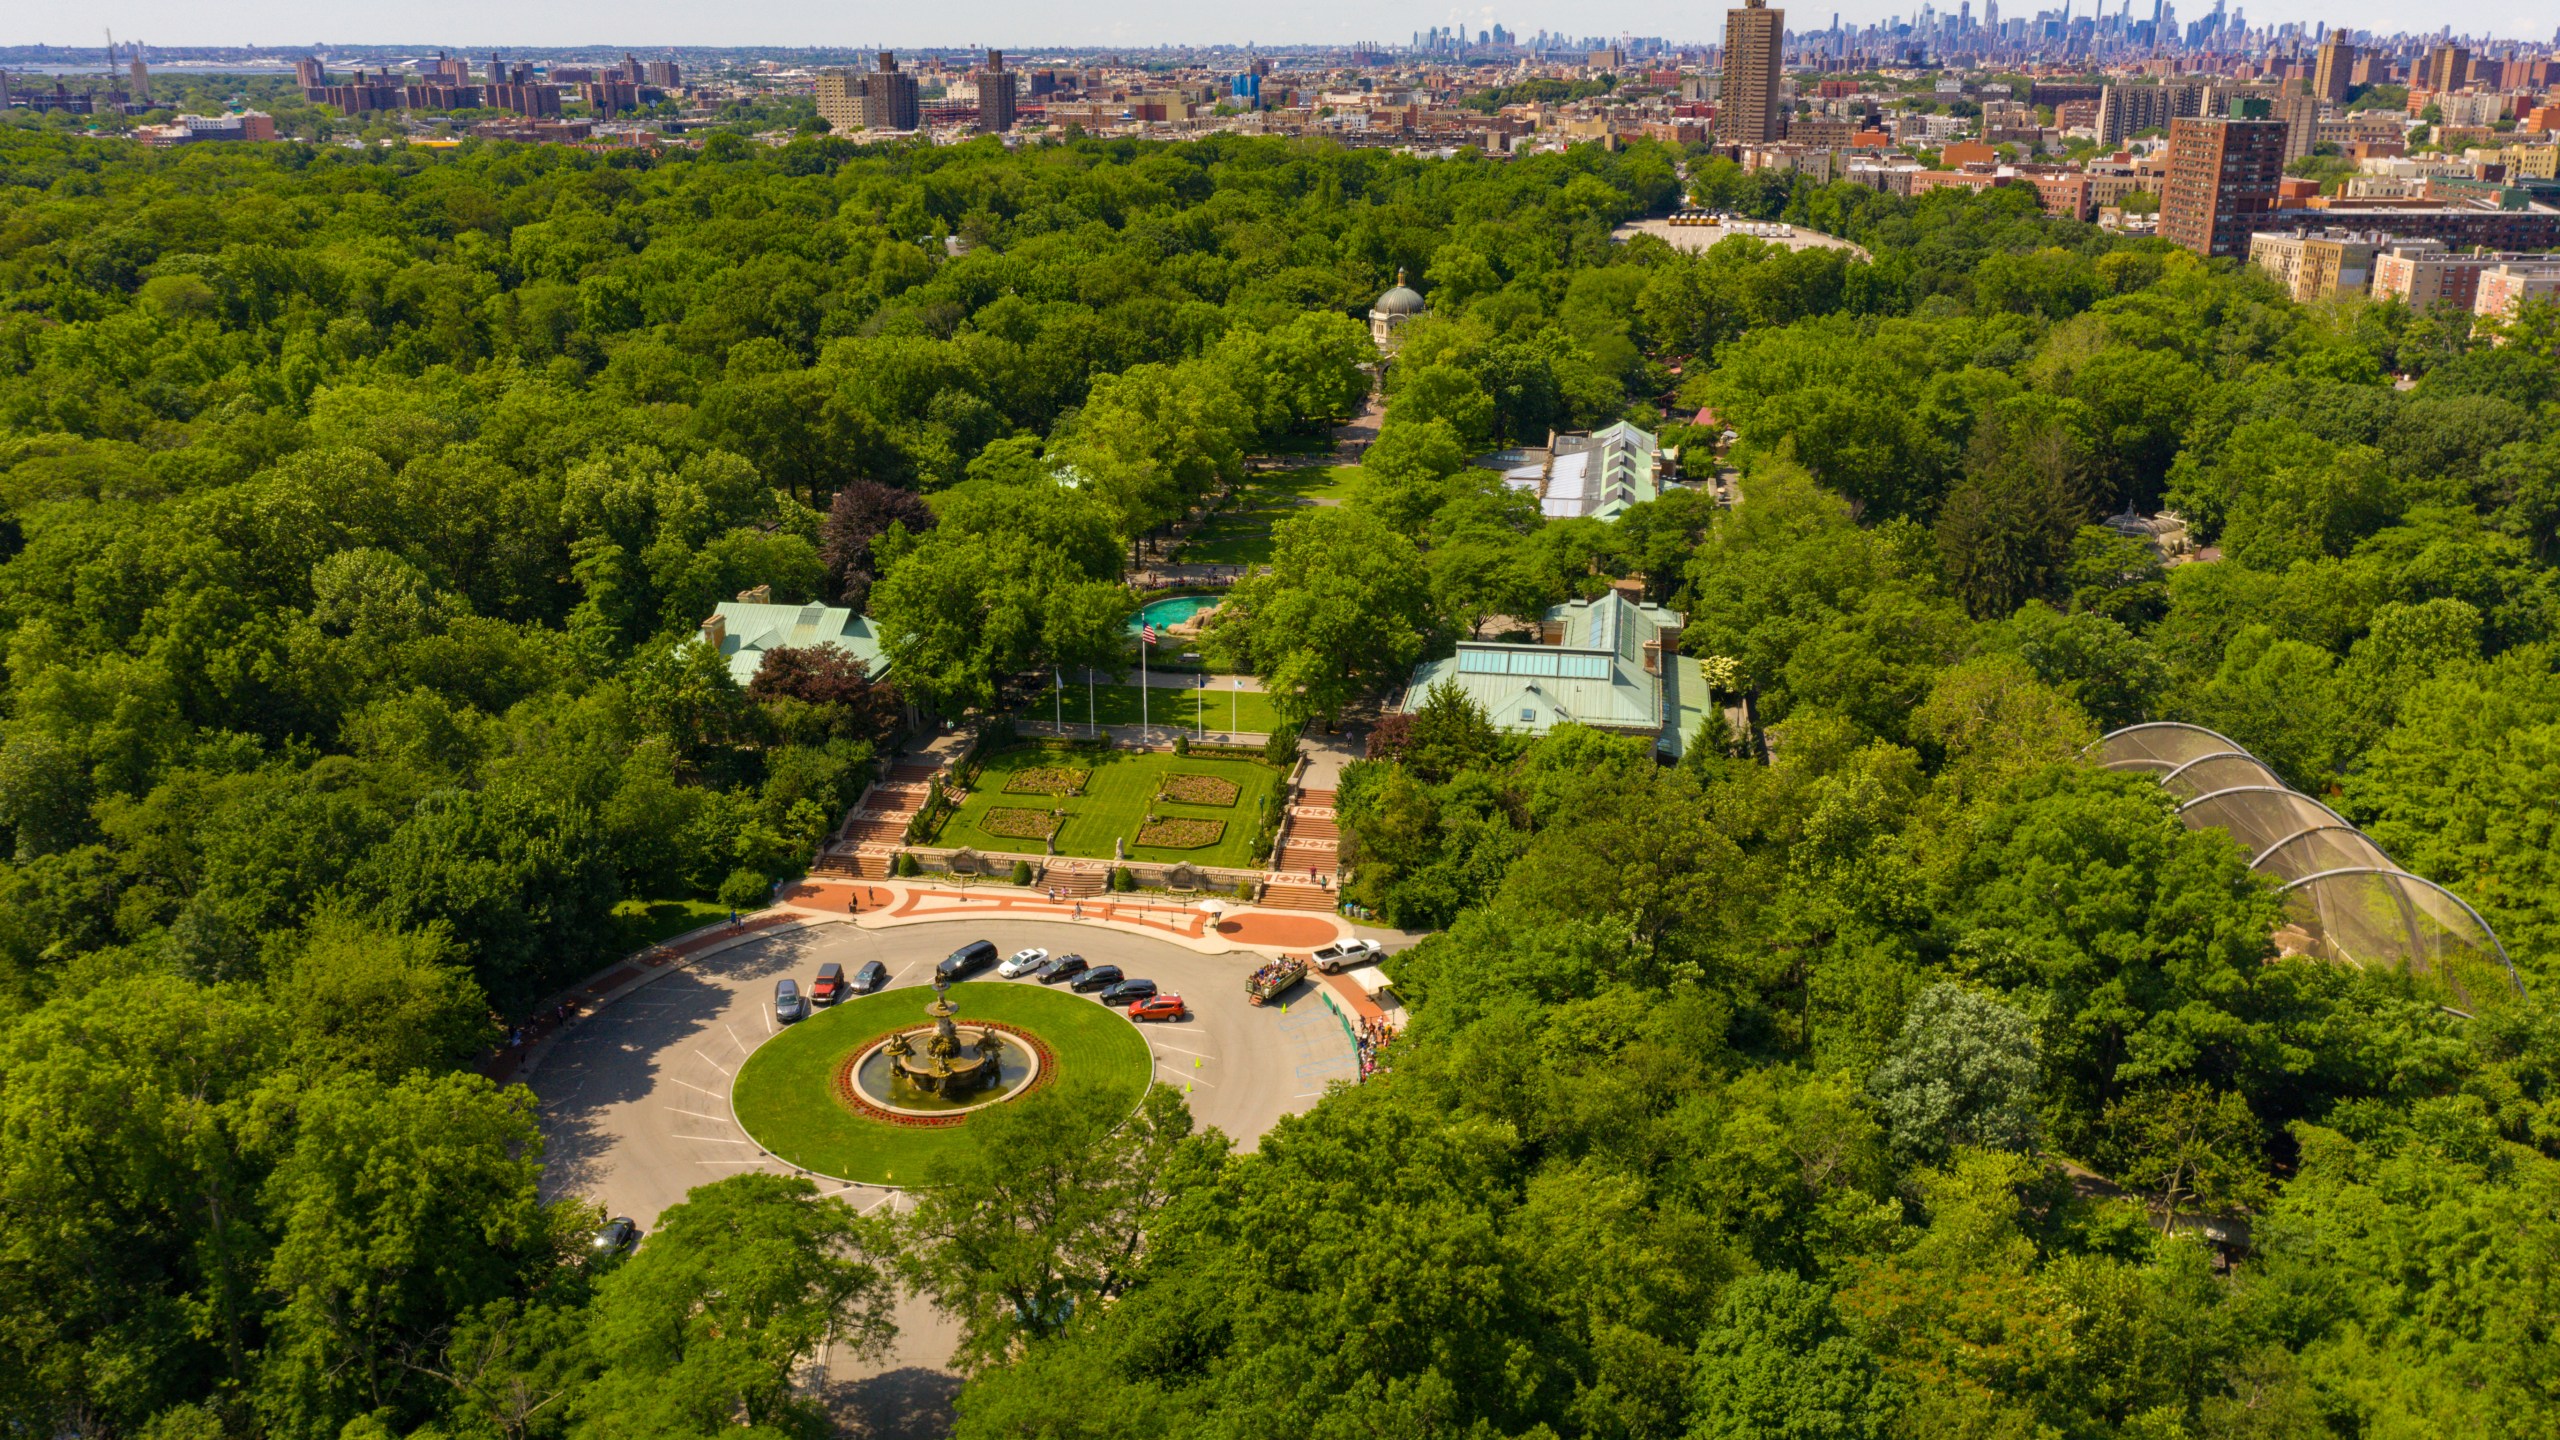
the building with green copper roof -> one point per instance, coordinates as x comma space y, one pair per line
1610, 664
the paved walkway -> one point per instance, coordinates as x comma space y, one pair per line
1327, 754
881, 904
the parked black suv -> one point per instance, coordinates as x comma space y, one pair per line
1064, 967
1129, 992
966, 961
1100, 977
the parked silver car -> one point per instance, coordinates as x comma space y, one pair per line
788, 1003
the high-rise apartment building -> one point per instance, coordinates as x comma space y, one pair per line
878, 99
1752, 36
996, 95
2222, 178
2301, 116
2448, 68
2331, 78
2125, 111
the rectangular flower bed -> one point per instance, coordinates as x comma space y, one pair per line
1181, 834
1188, 789
1021, 824
1047, 780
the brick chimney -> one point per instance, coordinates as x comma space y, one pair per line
715, 631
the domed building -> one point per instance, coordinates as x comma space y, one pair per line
1395, 310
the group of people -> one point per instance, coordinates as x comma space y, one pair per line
1372, 1038
542, 1023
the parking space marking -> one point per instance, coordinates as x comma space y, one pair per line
1203, 1054
728, 1162
713, 1139
734, 1040
689, 1085
698, 1115
714, 1064
1191, 1077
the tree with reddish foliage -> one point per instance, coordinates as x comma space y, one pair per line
863, 511
1389, 737
834, 683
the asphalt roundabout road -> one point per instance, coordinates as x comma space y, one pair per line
636, 1097
788, 1094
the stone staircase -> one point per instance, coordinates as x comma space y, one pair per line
1310, 839
1076, 881
877, 824
1296, 895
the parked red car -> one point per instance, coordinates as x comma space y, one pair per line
1157, 1007
829, 986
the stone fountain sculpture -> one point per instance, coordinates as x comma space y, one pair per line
954, 1061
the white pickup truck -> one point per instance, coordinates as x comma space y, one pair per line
1346, 955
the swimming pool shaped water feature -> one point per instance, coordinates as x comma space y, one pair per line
1171, 611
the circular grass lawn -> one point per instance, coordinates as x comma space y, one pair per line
785, 1094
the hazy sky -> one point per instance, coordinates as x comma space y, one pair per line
1025, 24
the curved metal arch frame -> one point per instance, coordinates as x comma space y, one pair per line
2173, 772
2166, 725
2263, 856
2496, 945
2186, 805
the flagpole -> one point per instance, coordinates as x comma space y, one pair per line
1144, 724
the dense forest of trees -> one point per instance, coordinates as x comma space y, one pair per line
359, 505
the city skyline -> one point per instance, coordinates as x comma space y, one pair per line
1022, 26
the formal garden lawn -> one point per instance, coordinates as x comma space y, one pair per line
1240, 532
785, 1094
1326, 482
1248, 711
1116, 800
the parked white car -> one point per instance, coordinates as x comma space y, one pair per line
1348, 955
1023, 963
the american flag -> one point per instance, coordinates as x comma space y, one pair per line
1148, 633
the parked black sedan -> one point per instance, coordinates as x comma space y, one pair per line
1100, 977
870, 977
1062, 967
1129, 992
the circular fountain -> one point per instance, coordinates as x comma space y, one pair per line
943, 1068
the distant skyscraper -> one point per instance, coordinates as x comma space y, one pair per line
881, 99
2337, 67
1750, 113
996, 95
2448, 68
